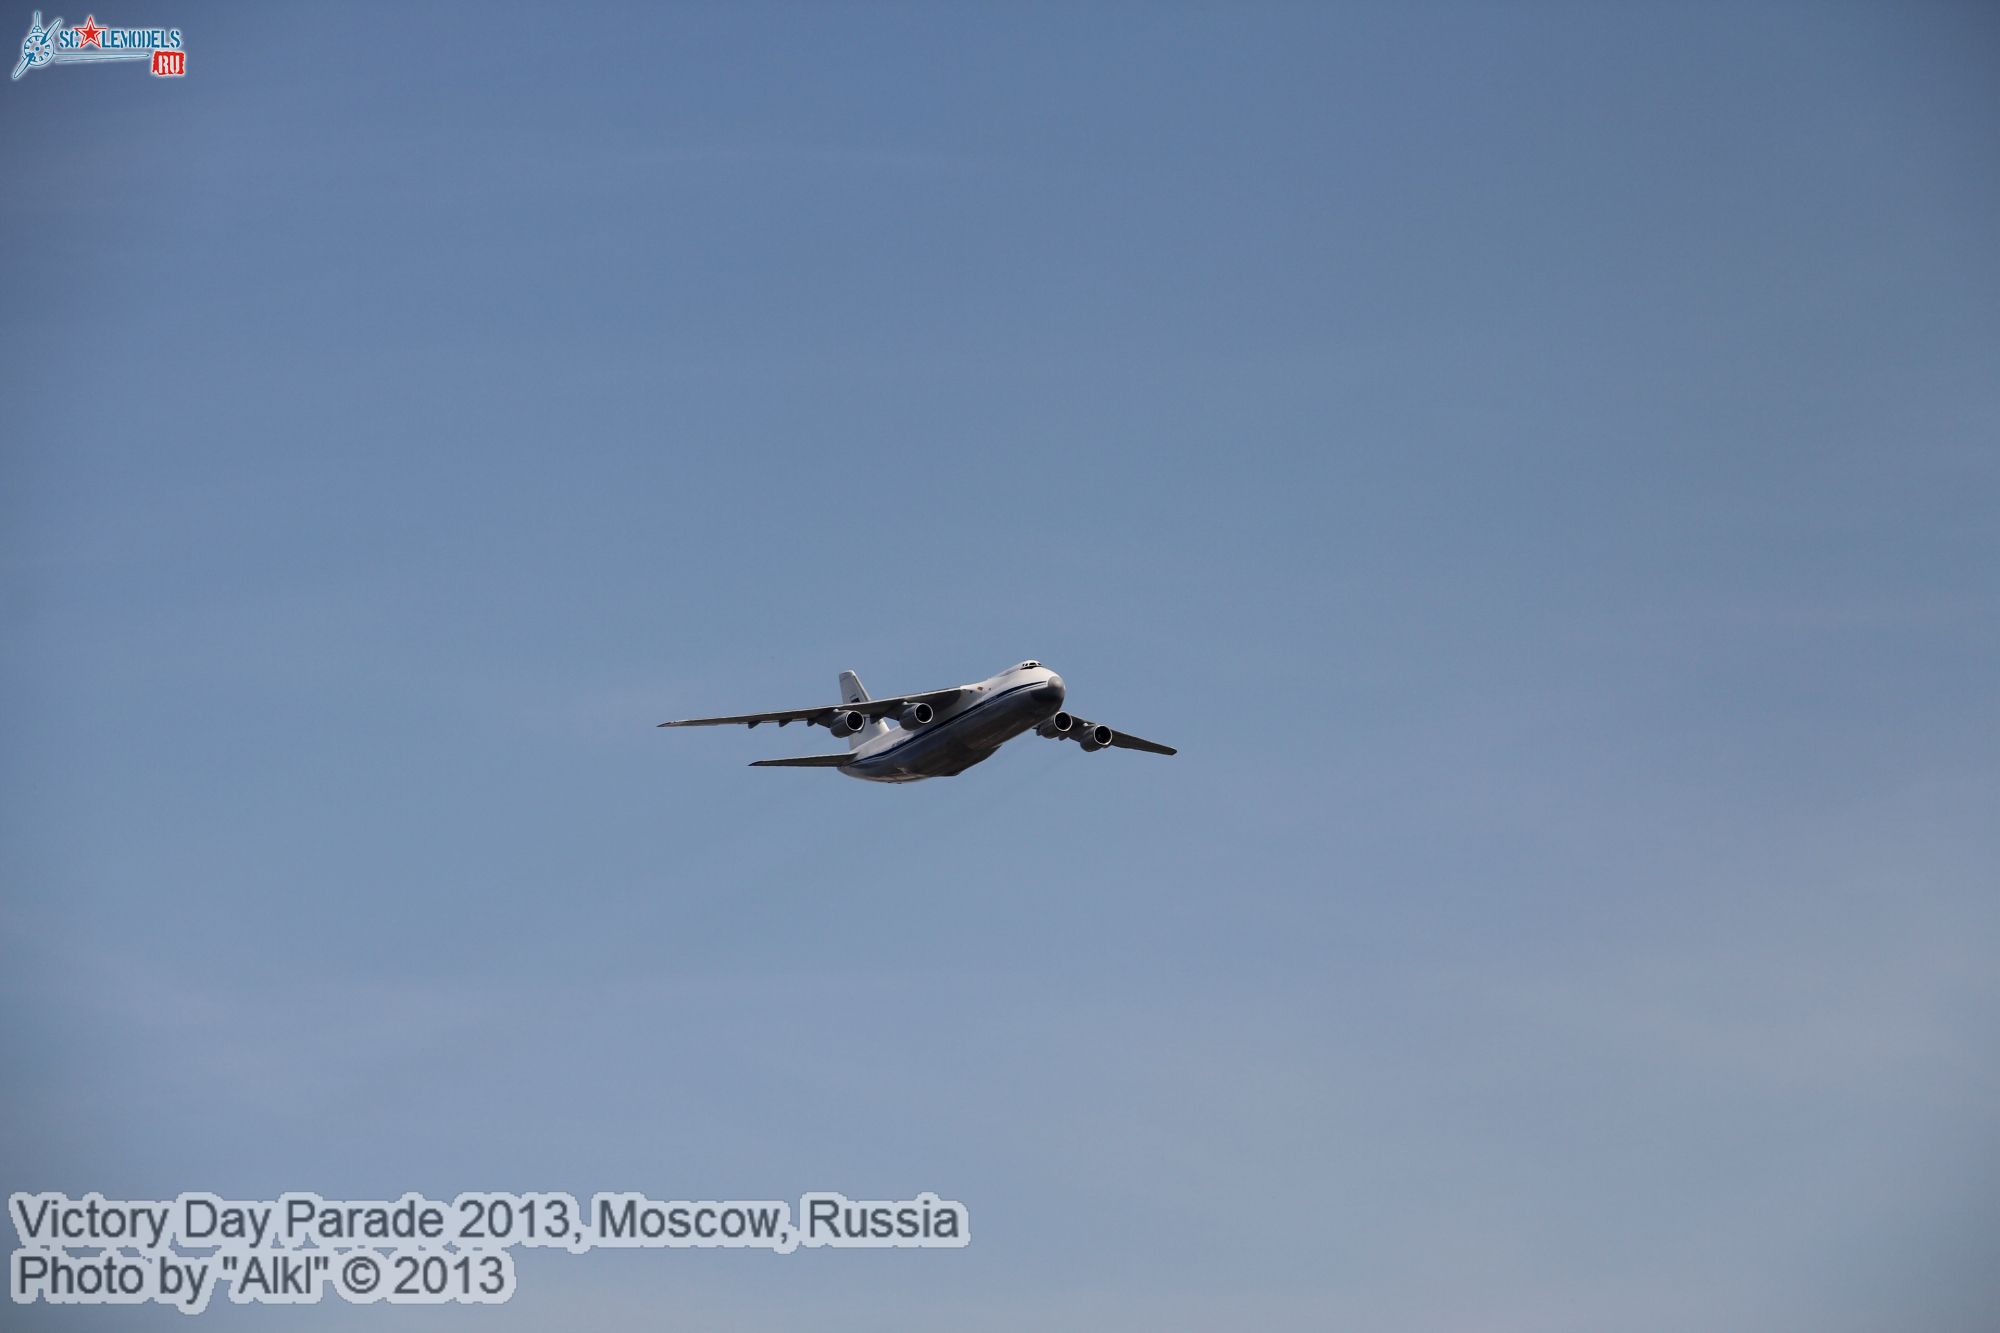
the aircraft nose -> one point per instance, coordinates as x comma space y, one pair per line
1052, 690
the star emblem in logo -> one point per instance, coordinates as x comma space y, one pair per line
88, 33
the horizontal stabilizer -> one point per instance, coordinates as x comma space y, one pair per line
806, 761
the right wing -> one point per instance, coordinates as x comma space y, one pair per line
806, 761
824, 713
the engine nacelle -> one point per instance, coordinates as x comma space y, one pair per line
916, 715
846, 723
1068, 727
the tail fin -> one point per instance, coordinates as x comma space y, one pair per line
852, 693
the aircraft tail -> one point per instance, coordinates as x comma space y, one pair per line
851, 692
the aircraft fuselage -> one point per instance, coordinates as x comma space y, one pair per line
994, 712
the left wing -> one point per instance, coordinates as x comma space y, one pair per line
1095, 735
823, 714
1126, 741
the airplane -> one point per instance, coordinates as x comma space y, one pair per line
940, 733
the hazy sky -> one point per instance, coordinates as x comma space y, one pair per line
1538, 463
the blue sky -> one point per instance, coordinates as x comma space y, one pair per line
1537, 463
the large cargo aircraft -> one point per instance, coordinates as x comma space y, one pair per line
938, 734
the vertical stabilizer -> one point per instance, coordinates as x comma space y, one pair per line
851, 692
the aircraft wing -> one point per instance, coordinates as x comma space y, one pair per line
1127, 741
823, 714
806, 761
1081, 727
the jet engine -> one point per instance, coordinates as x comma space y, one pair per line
846, 723
916, 715
1068, 727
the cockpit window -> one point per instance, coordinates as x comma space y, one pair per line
1027, 666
